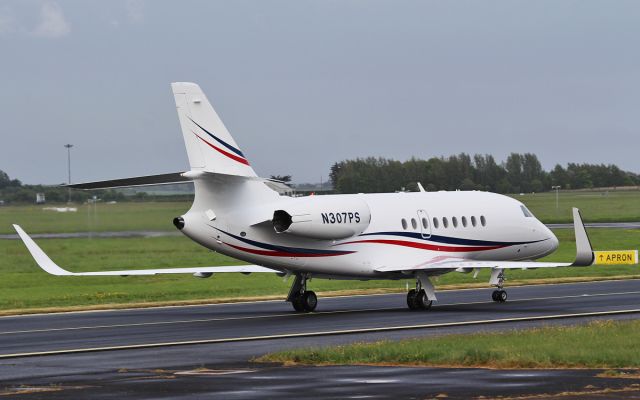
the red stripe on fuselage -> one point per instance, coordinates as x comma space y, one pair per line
426, 246
231, 156
275, 253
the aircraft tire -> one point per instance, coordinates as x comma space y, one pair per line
502, 296
494, 295
412, 300
296, 302
423, 301
309, 301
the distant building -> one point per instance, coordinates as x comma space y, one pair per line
40, 199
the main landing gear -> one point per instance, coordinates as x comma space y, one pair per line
421, 298
417, 300
301, 299
499, 296
497, 279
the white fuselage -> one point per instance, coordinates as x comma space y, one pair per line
405, 229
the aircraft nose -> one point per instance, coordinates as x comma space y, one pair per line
554, 242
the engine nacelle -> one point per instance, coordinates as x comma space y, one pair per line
323, 217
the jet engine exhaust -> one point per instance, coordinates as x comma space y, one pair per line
178, 222
281, 221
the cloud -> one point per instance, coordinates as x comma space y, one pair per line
134, 10
8, 23
52, 22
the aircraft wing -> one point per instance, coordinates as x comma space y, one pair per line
584, 257
465, 264
51, 267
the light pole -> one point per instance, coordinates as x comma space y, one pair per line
69, 146
556, 188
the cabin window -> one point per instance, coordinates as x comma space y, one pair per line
454, 220
445, 222
464, 221
483, 221
435, 222
526, 212
414, 224
425, 223
473, 220
404, 224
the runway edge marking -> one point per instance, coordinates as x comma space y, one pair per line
311, 334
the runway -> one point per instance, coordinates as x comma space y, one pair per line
124, 350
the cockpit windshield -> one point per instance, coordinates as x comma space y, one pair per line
526, 212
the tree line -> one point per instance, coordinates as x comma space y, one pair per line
519, 173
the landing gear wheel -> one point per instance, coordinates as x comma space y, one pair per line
418, 300
423, 301
309, 301
296, 302
412, 300
301, 299
499, 296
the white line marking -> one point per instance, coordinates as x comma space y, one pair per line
311, 334
291, 314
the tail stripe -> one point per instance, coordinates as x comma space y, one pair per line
222, 142
219, 150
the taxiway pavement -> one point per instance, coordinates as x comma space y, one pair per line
109, 353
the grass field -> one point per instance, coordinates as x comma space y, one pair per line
104, 217
600, 344
595, 207
612, 206
25, 286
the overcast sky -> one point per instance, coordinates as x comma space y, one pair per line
302, 84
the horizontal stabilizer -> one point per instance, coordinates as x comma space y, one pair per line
162, 179
52, 268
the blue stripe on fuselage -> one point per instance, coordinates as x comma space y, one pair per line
450, 240
268, 246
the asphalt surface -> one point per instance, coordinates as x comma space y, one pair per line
127, 234
198, 351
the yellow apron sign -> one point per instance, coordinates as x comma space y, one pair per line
616, 257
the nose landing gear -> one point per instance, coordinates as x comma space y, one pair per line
497, 280
301, 299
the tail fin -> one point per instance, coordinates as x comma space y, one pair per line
210, 146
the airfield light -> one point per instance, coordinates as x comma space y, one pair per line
69, 146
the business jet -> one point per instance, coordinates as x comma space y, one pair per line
418, 235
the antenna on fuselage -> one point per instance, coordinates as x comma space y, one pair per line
420, 187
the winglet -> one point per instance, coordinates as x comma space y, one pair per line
41, 258
584, 252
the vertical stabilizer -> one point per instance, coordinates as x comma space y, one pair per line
210, 146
